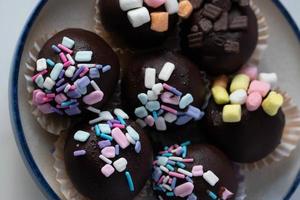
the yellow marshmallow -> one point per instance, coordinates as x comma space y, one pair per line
240, 81
232, 113
221, 81
220, 95
272, 103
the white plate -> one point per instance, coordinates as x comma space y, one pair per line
275, 182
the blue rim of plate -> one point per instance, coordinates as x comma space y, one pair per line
15, 113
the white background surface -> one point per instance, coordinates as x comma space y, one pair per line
15, 181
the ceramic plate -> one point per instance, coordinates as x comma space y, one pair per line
278, 181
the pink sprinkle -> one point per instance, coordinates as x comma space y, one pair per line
121, 126
184, 190
67, 64
85, 70
154, 3
93, 98
149, 120
51, 95
63, 58
253, 101
120, 138
167, 108
170, 148
188, 160
41, 73
170, 181
38, 97
226, 194
161, 179
65, 49
107, 170
60, 98
178, 150
167, 87
177, 175
259, 86
170, 98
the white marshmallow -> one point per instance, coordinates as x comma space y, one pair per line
70, 71
170, 117
238, 97
166, 71
138, 17
269, 78
130, 4
68, 42
210, 178
120, 164
70, 58
41, 64
160, 124
83, 56
172, 6
157, 88
185, 172
49, 83
151, 95
150, 74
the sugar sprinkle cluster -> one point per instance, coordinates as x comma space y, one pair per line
115, 135
171, 176
138, 14
249, 88
161, 99
61, 85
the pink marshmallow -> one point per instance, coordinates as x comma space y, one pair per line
253, 101
184, 190
39, 97
109, 152
197, 170
107, 170
93, 97
170, 98
250, 70
149, 120
155, 3
259, 86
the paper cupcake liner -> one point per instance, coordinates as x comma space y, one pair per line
69, 192
54, 124
290, 137
125, 52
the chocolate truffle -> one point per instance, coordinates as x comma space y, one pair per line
193, 172
221, 35
75, 70
247, 124
142, 23
111, 159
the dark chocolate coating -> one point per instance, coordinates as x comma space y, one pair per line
251, 139
85, 171
186, 78
211, 57
115, 20
212, 159
102, 54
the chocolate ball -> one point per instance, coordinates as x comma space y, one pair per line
220, 36
204, 171
92, 176
76, 87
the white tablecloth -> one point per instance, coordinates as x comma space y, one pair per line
15, 182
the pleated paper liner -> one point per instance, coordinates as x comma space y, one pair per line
69, 192
289, 140
125, 52
53, 123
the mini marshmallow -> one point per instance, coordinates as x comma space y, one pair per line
83, 56
240, 81
238, 97
259, 86
120, 164
68, 42
150, 74
250, 70
160, 124
221, 81
210, 178
185, 9
157, 88
130, 4
270, 78
70, 71
151, 95
253, 101
170, 117
166, 71
220, 95
154, 3
48, 83
171, 6
159, 21
272, 103
232, 113
138, 17
143, 98
41, 64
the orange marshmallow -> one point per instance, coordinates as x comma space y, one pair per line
185, 9
159, 21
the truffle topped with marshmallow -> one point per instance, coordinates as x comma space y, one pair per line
244, 117
75, 72
108, 155
143, 22
191, 172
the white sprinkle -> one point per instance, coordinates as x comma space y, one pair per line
70, 71
130, 4
185, 172
121, 113
108, 161
138, 17
269, 78
106, 115
166, 71
162, 160
129, 138
170, 117
56, 71
151, 95
70, 58
96, 120
150, 74
67, 42
157, 88
133, 133
41, 64
172, 6
167, 187
83, 56
67, 88
176, 158
120, 164
238, 97
49, 83
166, 179
210, 178
93, 109
95, 86
160, 198
141, 123
160, 124
164, 169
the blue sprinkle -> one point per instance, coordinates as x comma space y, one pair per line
195, 113
78, 71
156, 174
138, 147
121, 120
97, 130
167, 154
170, 194
212, 195
166, 148
186, 143
61, 81
171, 162
66, 104
184, 151
155, 116
162, 188
129, 181
117, 149
106, 137
106, 68
182, 120
160, 112
94, 73
50, 62
62, 73
55, 49
170, 167
180, 164
173, 184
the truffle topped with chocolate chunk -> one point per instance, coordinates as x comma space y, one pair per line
221, 35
